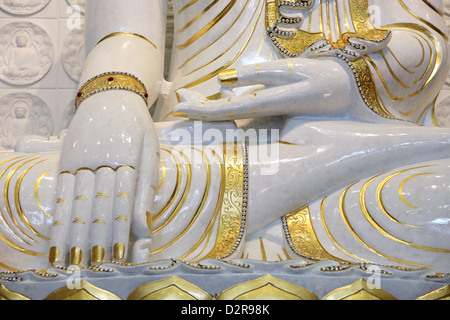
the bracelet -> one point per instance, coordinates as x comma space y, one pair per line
111, 81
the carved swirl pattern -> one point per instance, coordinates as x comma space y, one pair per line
234, 204
363, 26
302, 238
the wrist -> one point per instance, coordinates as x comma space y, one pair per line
111, 81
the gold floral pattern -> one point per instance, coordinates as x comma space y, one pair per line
234, 203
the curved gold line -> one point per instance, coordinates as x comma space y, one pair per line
441, 79
321, 17
208, 27
127, 34
20, 249
433, 115
175, 190
215, 41
331, 237
427, 23
398, 61
437, 65
422, 30
197, 17
187, 6
367, 215
19, 205
4, 266
337, 19
6, 196
36, 193
286, 143
402, 185
382, 79
229, 63
347, 23
392, 71
433, 8
360, 240
163, 178
2, 219
96, 170
224, 52
209, 229
380, 189
2, 214
183, 198
430, 63
199, 209
330, 34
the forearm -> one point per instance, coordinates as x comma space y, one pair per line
126, 37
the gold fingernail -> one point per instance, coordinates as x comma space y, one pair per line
181, 115
53, 255
119, 251
98, 254
228, 76
75, 256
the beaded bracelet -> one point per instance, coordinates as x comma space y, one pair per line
111, 81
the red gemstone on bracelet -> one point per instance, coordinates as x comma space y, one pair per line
110, 79
79, 94
146, 96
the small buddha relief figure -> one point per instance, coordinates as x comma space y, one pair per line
27, 53
19, 124
21, 57
74, 53
22, 115
23, 7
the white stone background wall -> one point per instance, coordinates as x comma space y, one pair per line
57, 31
56, 28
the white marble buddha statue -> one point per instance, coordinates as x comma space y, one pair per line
359, 176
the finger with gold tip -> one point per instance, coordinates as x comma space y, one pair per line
81, 216
124, 191
101, 216
61, 220
273, 73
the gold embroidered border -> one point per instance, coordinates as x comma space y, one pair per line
302, 238
293, 43
362, 23
234, 202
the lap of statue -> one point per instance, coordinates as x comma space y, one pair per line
351, 171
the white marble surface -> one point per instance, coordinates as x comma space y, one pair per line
114, 131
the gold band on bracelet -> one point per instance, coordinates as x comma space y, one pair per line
111, 81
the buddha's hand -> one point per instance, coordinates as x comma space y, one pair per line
298, 86
109, 165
